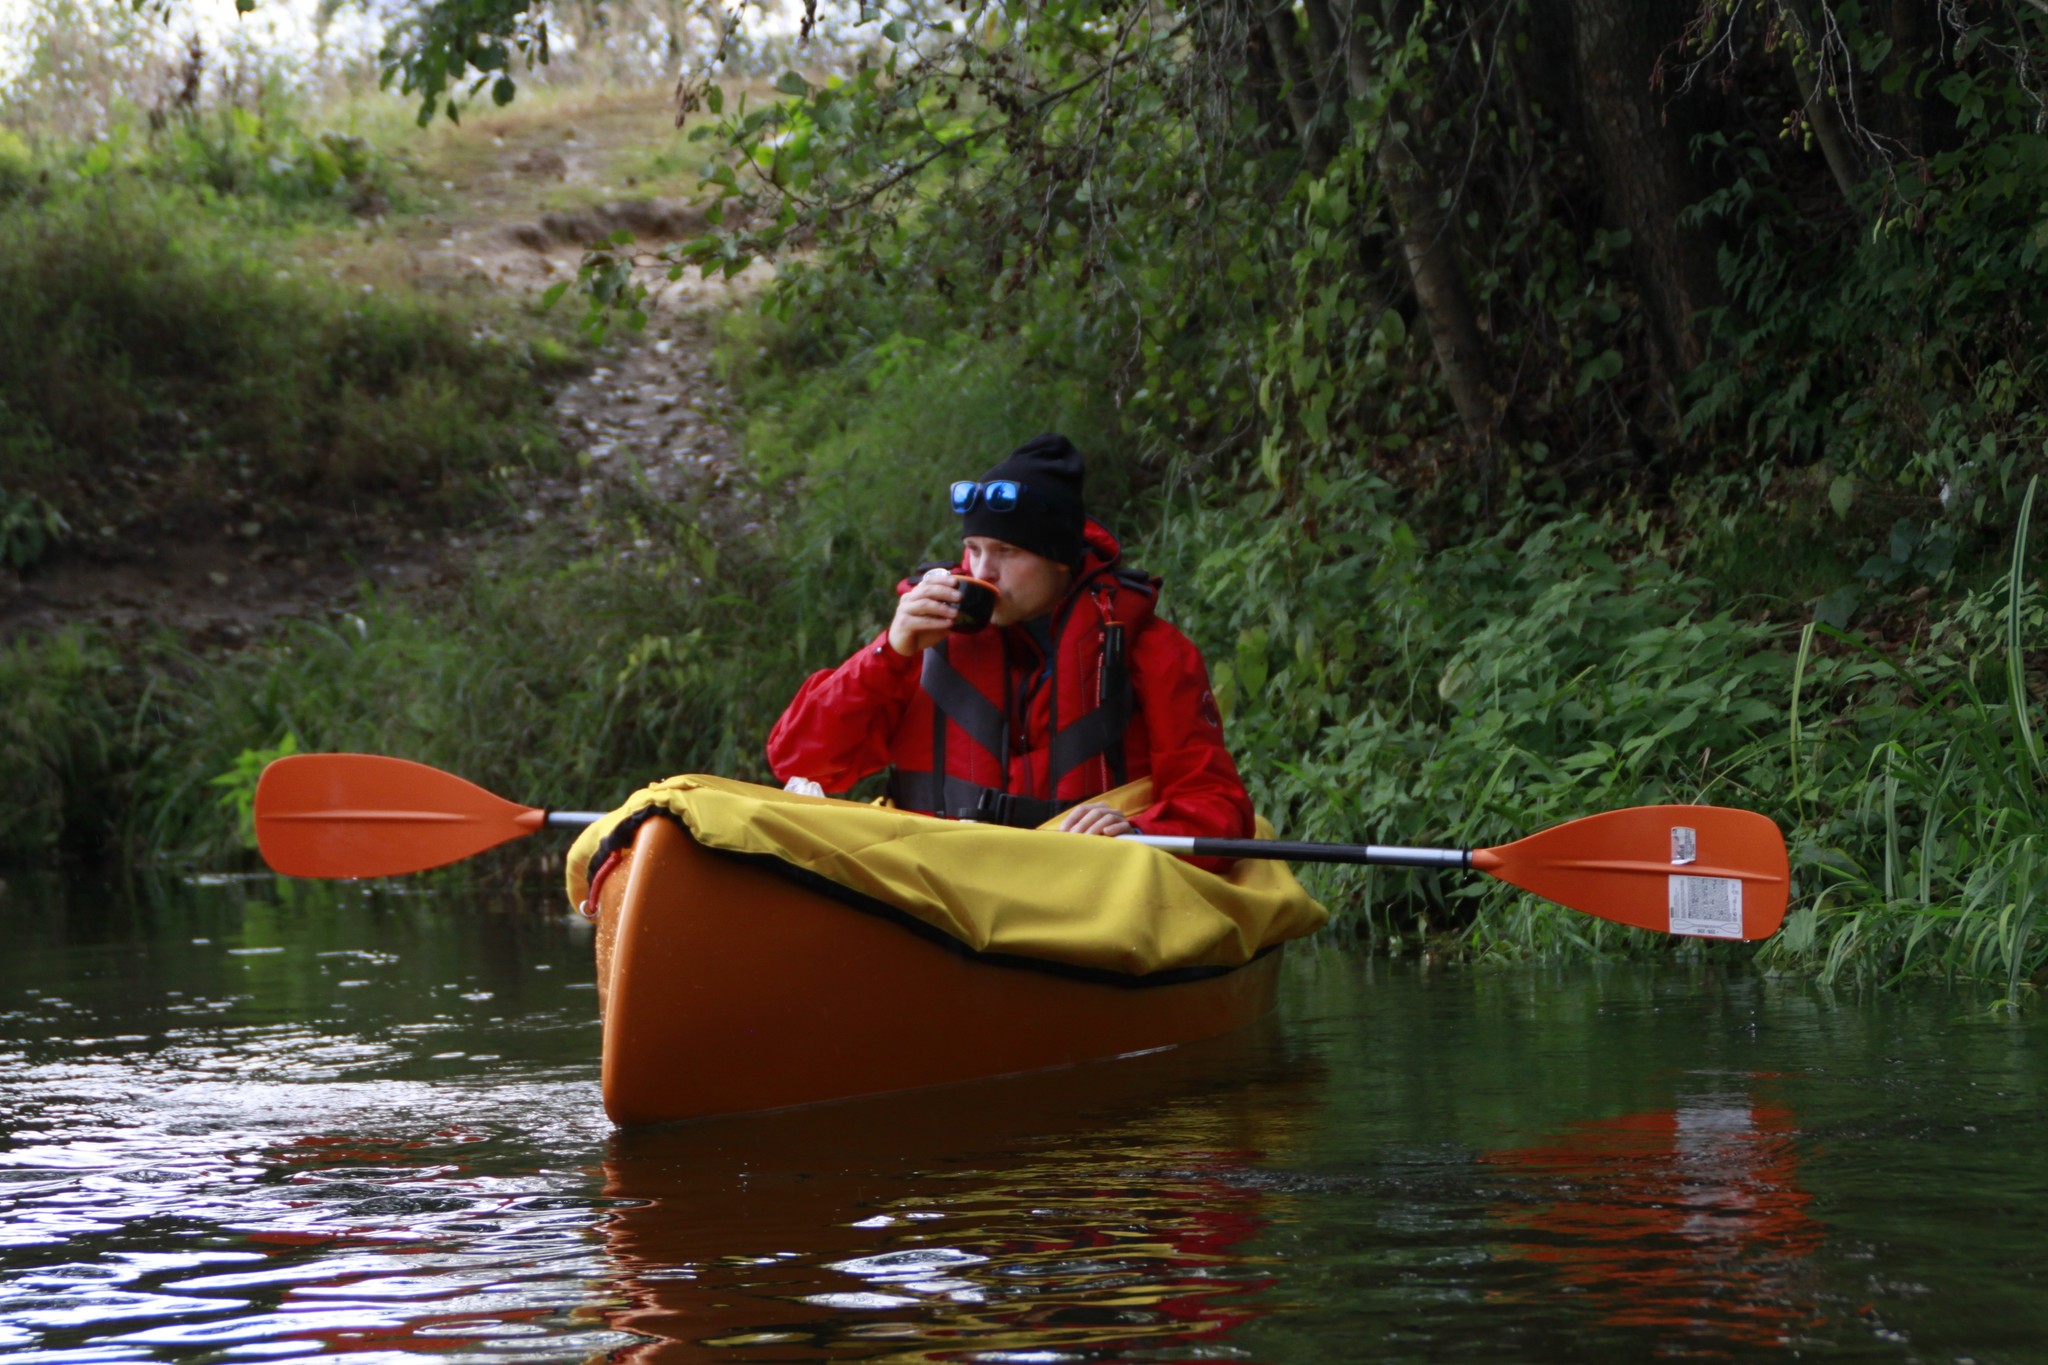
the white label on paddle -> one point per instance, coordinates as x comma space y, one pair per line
1710, 907
1685, 844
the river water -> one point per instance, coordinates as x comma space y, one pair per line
256, 1120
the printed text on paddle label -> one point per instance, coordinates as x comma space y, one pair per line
1710, 907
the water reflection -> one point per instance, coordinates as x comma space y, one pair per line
1688, 1221
240, 1127
1086, 1214
152, 1243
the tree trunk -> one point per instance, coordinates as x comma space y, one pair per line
1906, 26
1822, 113
1325, 52
1639, 140
1230, 34
1284, 43
1918, 117
1428, 240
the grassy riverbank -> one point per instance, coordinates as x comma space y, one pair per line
1403, 654
282, 359
1463, 694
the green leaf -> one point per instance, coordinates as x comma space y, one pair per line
1315, 416
1272, 457
793, 85
893, 30
502, 91
714, 99
553, 294
1251, 660
1842, 494
1838, 606
1599, 370
239, 782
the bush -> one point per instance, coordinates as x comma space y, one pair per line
270, 158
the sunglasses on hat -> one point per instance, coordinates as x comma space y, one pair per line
998, 495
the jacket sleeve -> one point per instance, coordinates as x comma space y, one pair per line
841, 726
1195, 783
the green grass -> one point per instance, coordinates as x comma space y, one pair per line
151, 356
1378, 689
65, 743
1919, 786
555, 679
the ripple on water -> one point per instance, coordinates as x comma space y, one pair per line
422, 1238
225, 1156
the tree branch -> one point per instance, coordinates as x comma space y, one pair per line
1044, 102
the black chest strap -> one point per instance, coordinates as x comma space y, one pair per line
1099, 731
955, 698
960, 799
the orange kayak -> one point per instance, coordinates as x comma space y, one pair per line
729, 987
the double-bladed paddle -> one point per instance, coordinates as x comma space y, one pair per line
1701, 870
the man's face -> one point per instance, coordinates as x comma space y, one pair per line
1027, 585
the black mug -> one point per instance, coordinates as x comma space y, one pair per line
977, 604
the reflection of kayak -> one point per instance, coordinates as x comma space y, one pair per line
1108, 1210
728, 985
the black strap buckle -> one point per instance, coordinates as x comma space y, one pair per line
992, 807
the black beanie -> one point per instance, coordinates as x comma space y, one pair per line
1048, 517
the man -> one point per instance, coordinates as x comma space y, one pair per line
1077, 688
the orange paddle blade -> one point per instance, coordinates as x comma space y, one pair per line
363, 815
1702, 870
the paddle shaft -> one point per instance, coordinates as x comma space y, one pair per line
1297, 851
1292, 850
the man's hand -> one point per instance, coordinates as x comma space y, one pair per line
924, 615
1092, 817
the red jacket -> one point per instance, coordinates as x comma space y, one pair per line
1003, 706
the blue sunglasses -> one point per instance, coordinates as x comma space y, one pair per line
999, 495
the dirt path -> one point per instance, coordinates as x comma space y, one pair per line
653, 413
516, 197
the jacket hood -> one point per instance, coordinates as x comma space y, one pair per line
1123, 593
1099, 549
